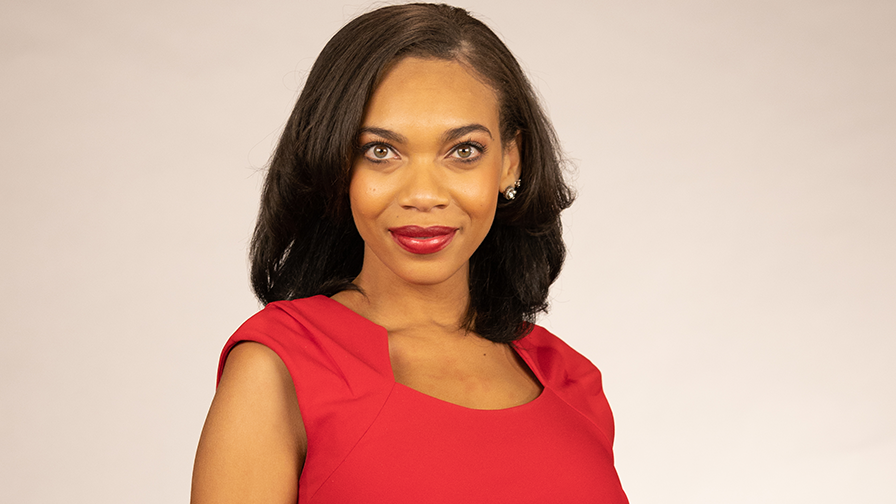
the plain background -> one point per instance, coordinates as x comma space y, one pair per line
732, 264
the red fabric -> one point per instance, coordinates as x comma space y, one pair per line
371, 439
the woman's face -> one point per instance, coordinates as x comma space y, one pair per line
426, 178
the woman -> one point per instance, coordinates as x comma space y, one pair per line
408, 234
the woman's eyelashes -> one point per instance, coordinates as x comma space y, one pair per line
380, 152
468, 151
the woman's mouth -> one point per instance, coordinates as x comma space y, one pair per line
423, 240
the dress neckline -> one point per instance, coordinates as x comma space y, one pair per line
384, 334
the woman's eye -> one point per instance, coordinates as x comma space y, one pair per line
379, 152
467, 152
464, 152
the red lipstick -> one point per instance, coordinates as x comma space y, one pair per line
423, 240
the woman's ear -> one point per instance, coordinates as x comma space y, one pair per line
510, 172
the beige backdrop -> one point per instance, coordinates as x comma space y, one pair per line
732, 253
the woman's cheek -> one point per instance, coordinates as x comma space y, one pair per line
481, 194
366, 192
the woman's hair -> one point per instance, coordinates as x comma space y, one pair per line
305, 241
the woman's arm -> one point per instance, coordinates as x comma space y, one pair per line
253, 443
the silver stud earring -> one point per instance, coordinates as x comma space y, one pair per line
510, 192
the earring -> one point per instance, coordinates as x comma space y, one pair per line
510, 192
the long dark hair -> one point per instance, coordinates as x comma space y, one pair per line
305, 241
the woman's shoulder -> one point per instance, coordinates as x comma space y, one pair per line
296, 319
555, 358
281, 326
315, 336
303, 311
569, 374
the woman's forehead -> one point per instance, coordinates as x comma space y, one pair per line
417, 91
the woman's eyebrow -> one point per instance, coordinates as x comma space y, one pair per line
387, 134
454, 134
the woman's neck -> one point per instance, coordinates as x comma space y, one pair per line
397, 305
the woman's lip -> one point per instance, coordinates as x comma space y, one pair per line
422, 232
423, 240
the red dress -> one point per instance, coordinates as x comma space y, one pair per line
371, 439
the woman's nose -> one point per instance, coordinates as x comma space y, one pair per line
423, 187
